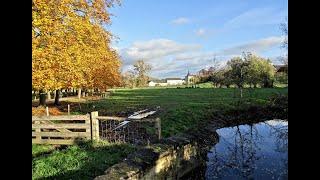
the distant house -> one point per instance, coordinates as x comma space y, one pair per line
167, 82
174, 81
157, 83
281, 68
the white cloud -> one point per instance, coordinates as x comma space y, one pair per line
179, 21
172, 59
201, 32
157, 52
155, 49
205, 33
257, 46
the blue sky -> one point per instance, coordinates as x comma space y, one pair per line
175, 36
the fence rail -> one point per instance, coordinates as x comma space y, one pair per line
64, 118
60, 129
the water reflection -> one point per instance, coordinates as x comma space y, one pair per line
258, 151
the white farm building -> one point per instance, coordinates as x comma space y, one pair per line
167, 82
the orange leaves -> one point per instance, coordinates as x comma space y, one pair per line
41, 111
70, 48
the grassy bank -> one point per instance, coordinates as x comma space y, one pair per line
181, 109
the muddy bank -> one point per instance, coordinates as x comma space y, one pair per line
277, 108
175, 157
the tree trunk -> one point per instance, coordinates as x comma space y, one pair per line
79, 93
57, 98
42, 98
241, 92
48, 95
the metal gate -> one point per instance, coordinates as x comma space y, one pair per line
135, 129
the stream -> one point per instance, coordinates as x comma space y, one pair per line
258, 151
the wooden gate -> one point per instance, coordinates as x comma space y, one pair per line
68, 129
60, 129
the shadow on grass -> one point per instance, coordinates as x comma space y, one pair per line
50, 149
85, 160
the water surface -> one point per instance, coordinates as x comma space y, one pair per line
258, 151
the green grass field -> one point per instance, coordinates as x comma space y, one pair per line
181, 109
77, 161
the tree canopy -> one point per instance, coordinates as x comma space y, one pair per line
70, 46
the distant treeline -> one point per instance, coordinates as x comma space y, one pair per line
249, 69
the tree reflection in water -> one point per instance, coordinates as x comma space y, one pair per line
250, 152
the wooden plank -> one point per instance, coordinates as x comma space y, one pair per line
38, 130
62, 118
50, 122
88, 129
60, 126
54, 141
61, 134
111, 118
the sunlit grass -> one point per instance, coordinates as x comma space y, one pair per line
84, 161
182, 108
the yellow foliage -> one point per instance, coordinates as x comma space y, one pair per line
70, 47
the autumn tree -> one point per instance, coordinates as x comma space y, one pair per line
70, 47
142, 69
129, 79
259, 71
217, 77
267, 73
238, 71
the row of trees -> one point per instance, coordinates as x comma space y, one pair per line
71, 47
248, 69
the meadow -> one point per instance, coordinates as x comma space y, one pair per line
180, 110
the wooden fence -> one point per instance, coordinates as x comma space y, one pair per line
68, 129
60, 129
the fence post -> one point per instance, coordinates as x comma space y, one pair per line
38, 137
47, 110
94, 125
68, 109
158, 127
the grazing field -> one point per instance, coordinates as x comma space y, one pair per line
181, 109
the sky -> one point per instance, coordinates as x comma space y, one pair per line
175, 36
